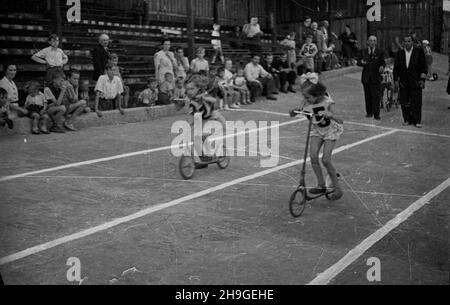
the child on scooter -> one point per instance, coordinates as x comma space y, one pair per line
327, 128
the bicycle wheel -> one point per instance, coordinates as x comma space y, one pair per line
223, 162
297, 203
186, 167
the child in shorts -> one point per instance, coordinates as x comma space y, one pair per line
84, 96
327, 129
240, 84
36, 105
149, 97
166, 90
4, 110
217, 44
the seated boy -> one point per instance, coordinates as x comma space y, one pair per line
4, 110
108, 92
55, 93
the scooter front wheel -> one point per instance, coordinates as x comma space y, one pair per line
297, 203
186, 167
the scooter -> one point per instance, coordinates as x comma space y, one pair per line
301, 196
189, 163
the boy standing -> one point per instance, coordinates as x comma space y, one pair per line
200, 63
53, 57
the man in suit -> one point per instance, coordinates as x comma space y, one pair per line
410, 72
372, 61
268, 65
100, 56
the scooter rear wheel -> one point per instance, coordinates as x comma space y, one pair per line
297, 203
186, 167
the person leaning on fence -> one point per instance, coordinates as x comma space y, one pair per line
53, 57
108, 92
259, 80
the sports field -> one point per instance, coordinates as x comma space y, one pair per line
113, 197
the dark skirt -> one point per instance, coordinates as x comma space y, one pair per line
448, 86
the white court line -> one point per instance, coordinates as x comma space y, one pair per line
328, 275
159, 207
133, 154
353, 123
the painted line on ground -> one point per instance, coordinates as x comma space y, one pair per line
133, 154
328, 275
108, 225
424, 133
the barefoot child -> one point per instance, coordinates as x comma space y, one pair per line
326, 130
240, 84
36, 104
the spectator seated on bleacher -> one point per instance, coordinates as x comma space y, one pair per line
53, 57
268, 65
236, 38
149, 97
85, 96
10, 87
240, 84
259, 80
225, 91
36, 105
253, 33
5, 117
108, 92
331, 59
55, 93
287, 74
74, 105
166, 90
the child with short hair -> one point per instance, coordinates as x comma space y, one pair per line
36, 104
327, 128
53, 57
109, 90
149, 97
225, 92
429, 58
55, 93
84, 95
307, 53
117, 71
200, 63
180, 90
217, 44
166, 90
4, 110
240, 84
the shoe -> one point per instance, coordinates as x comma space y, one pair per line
369, 116
406, 124
57, 129
69, 126
235, 107
318, 190
35, 131
284, 91
275, 93
45, 131
226, 108
290, 89
272, 98
418, 126
252, 100
377, 119
9, 122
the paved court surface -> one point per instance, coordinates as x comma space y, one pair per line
112, 197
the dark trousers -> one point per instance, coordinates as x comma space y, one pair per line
289, 78
372, 93
411, 101
256, 90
